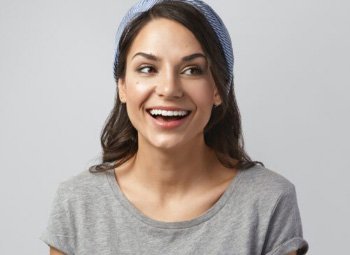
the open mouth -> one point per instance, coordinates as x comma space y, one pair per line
168, 115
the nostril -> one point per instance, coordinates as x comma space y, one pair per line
169, 90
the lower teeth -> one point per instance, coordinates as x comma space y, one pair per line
169, 118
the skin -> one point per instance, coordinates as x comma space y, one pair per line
54, 251
167, 81
177, 176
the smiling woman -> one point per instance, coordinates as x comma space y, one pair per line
174, 79
174, 176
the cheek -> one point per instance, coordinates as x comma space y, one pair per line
202, 95
137, 92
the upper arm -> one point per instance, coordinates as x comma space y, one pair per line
285, 231
54, 251
60, 231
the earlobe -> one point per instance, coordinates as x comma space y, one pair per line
217, 98
121, 90
217, 102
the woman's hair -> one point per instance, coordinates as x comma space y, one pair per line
223, 132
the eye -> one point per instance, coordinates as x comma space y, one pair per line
146, 69
193, 70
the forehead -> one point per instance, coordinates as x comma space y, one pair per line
167, 37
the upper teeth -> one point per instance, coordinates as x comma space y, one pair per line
168, 113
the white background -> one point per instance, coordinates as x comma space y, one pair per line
56, 89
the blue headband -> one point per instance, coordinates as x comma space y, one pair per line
212, 17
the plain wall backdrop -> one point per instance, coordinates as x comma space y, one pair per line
56, 89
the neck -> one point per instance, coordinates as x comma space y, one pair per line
175, 171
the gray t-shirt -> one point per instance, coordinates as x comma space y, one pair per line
257, 214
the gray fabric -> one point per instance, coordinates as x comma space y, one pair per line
257, 214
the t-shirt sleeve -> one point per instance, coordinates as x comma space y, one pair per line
285, 230
59, 232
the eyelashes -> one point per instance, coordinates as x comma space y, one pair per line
146, 69
190, 70
195, 70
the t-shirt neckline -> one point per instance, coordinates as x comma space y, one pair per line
219, 204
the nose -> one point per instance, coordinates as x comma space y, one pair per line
168, 85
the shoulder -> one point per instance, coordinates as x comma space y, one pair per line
82, 185
262, 178
261, 184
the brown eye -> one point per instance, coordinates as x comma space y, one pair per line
193, 71
146, 69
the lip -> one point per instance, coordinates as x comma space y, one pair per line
159, 123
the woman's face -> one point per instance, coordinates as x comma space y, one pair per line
168, 88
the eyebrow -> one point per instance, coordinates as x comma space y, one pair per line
185, 58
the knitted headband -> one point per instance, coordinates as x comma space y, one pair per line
212, 17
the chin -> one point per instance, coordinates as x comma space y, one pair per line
170, 141
167, 144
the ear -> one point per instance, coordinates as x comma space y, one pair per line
122, 90
217, 98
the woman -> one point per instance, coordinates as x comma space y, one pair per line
175, 178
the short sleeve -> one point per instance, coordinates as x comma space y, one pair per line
59, 232
285, 229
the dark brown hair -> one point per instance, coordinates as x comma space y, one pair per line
223, 133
